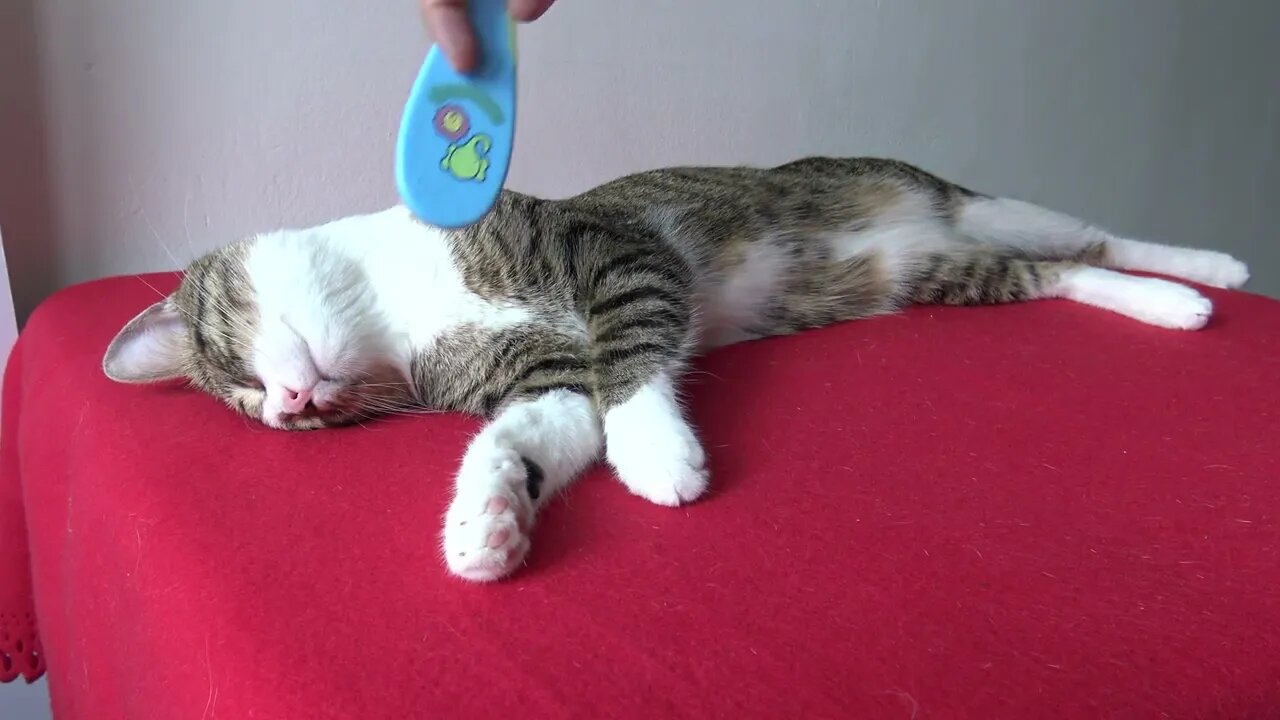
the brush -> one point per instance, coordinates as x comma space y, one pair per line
457, 131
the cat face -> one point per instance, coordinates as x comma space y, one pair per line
282, 328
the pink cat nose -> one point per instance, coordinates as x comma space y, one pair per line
295, 401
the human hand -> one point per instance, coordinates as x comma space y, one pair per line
447, 20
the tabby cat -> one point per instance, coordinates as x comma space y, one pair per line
569, 322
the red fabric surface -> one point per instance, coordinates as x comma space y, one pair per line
20, 653
1040, 510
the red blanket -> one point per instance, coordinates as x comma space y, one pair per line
1039, 510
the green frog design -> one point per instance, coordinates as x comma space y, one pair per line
467, 161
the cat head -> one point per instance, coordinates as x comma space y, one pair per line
283, 328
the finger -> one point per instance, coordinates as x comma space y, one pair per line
528, 10
447, 21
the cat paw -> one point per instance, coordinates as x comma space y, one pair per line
1167, 304
1219, 270
664, 465
486, 531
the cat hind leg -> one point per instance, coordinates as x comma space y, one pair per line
978, 276
1053, 235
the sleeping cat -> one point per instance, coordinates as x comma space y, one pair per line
569, 322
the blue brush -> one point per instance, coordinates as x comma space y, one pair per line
457, 131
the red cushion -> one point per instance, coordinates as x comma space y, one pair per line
1023, 511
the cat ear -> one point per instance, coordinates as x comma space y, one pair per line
152, 347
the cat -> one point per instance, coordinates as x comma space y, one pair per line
568, 323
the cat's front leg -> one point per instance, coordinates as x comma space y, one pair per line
531, 450
640, 321
652, 447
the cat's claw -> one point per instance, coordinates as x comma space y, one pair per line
486, 532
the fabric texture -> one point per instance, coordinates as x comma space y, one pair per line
20, 655
1038, 510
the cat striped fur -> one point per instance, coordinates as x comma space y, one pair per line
569, 322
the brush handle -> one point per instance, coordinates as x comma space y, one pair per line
456, 135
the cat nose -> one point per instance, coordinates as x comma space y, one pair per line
295, 401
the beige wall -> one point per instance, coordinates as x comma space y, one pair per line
132, 129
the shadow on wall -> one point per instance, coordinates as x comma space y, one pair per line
26, 210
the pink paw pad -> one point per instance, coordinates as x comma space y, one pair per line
498, 539
497, 505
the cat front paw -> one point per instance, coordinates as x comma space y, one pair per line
486, 530
662, 464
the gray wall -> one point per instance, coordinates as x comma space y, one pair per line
133, 129
20, 701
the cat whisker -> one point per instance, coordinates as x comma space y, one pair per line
153, 287
390, 408
237, 321
236, 342
146, 218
